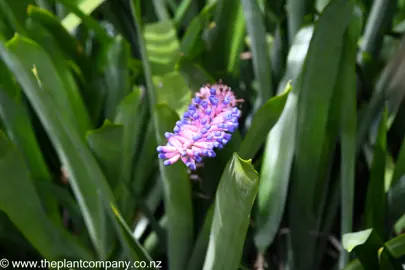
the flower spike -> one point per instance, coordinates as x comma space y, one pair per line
207, 124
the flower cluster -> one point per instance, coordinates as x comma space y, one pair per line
206, 125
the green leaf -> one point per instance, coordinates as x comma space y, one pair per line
315, 88
372, 252
177, 199
395, 200
225, 42
66, 42
396, 248
378, 22
85, 177
130, 114
261, 58
200, 248
297, 9
60, 85
346, 87
106, 144
376, 197
15, 116
181, 11
27, 213
160, 10
365, 244
275, 174
296, 57
81, 11
263, 121
163, 48
233, 203
16, 119
146, 163
172, 89
192, 36
62, 64
116, 74
133, 250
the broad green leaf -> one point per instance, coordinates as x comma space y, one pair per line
43, 37
297, 9
376, 197
15, 116
172, 89
192, 36
106, 143
233, 203
296, 57
146, 163
280, 141
131, 114
177, 197
263, 121
16, 119
275, 174
315, 88
395, 246
225, 40
261, 58
346, 87
135, 6
200, 248
372, 252
67, 43
116, 74
365, 244
163, 48
27, 214
60, 85
85, 176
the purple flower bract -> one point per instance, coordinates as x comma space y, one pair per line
207, 124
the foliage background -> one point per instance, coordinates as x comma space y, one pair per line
313, 178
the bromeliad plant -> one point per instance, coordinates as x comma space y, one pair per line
108, 151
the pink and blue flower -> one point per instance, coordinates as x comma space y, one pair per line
207, 124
